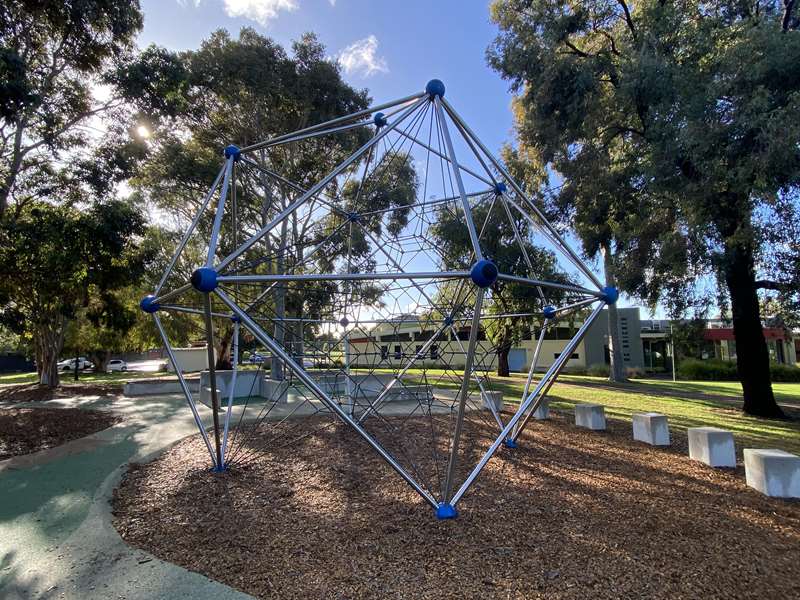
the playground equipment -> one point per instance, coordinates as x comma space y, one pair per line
368, 316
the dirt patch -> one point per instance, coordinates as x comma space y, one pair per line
33, 392
569, 514
26, 430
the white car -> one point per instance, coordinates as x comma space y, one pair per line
116, 365
69, 364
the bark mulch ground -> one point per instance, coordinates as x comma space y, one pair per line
26, 430
33, 392
569, 514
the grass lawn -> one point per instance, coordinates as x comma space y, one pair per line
87, 377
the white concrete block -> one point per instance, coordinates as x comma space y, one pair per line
492, 399
712, 446
772, 472
651, 428
542, 413
591, 416
205, 396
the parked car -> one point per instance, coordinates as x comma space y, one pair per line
116, 365
257, 358
69, 364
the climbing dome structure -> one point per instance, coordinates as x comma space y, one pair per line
377, 266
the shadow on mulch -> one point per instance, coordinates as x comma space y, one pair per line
570, 514
27, 430
33, 392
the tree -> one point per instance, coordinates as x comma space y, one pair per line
674, 127
239, 91
51, 56
450, 231
56, 261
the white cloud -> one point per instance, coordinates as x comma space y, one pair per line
260, 11
361, 57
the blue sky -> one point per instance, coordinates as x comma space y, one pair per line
392, 48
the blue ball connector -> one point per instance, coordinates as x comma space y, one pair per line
233, 151
499, 188
509, 443
549, 312
219, 469
610, 294
483, 273
204, 279
435, 87
149, 305
379, 120
446, 511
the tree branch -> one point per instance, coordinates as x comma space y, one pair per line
768, 284
787, 22
628, 19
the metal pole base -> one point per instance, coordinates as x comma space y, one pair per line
510, 443
446, 511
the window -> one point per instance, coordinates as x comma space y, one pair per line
384, 352
418, 350
398, 352
574, 355
434, 352
423, 336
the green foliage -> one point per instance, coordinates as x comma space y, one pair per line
51, 54
720, 370
598, 370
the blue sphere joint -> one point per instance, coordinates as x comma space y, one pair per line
149, 305
483, 273
233, 151
435, 87
235, 319
446, 511
219, 468
448, 320
509, 443
344, 322
379, 120
549, 312
499, 188
610, 294
354, 217
204, 279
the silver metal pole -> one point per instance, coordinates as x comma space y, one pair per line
323, 397
473, 340
235, 366
473, 234
672, 347
355, 115
499, 166
212, 378
194, 311
534, 362
550, 284
563, 309
212, 244
319, 186
184, 387
341, 276
174, 293
185, 238
528, 402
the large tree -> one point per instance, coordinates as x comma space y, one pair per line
674, 126
56, 261
52, 55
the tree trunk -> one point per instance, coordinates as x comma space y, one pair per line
50, 341
224, 350
617, 370
503, 350
100, 359
752, 356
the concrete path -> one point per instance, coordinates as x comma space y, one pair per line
56, 536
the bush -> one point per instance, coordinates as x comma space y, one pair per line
633, 372
707, 370
720, 370
599, 370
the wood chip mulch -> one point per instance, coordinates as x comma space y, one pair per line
33, 392
26, 430
569, 514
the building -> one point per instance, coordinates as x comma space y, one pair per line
395, 343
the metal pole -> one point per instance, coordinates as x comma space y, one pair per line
189, 231
184, 387
341, 277
212, 244
473, 340
525, 405
473, 234
534, 361
323, 397
319, 186
355, 115
235, 367
672, 347
212, 378
498, 165
550, 284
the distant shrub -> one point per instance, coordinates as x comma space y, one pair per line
576, 370
785, 373
633, 372
707, 370
599, 370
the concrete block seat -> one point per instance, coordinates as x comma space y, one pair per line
651, 428
712, 446
590, 416
772, 472
542, 413
492, 400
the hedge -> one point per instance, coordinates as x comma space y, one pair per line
720, 370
